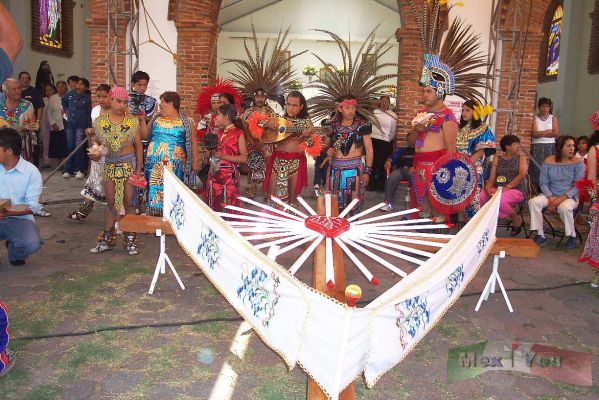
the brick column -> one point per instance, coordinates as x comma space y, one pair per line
196, 48
410, 57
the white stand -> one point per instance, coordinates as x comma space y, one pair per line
163, 259
490, 286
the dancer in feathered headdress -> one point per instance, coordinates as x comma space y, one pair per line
447, 70
352, 93
260, 78
212, 97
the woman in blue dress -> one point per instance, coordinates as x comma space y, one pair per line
172, 143
476, 140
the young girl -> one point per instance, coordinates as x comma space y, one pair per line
93, 190
223, 179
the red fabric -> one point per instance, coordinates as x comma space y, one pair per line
423, 161
225, 177
302, 172
352, 102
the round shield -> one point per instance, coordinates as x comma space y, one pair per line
453, 183
256, 160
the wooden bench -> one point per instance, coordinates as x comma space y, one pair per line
144, 224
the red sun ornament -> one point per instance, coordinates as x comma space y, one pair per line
330, 227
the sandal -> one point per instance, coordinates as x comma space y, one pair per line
82, 212
42, 213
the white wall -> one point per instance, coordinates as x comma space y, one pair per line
158, 63
29, 60
357, 17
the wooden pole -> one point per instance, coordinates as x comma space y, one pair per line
337, 291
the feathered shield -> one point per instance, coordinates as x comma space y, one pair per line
203, 104
274, 75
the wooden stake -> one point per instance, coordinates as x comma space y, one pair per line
338, 292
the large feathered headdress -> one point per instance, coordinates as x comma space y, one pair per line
203, 104
448, 67
257, 72
358, 77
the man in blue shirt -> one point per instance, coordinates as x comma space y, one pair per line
21, 183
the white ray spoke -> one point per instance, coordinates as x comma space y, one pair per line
414, 234
377, 258
400, 228
386, 216
280, 241
259, 219
365, 212
296, 244
406, 240
261, 214
269, 208
327, 204
306, 205
288, 207
405, 222
357, 262
358, 242
260, 229
349, 207
397, 247
300, 261
329, 268
270, 235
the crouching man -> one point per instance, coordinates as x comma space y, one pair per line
21, 183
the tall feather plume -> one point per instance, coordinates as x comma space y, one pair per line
360, 78
460, 50
256, 71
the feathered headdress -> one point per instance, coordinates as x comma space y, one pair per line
448, 67
358, 78
203, 104
272, 75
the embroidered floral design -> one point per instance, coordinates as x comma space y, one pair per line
459, 183
414, 314
454, 280
482, 243
208, 249
256, 294
177, 213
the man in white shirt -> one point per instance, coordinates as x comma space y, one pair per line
383, 141
21, 183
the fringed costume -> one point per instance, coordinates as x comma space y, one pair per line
258, 154
118, 168
269, 77
447, 68
344, 177
361, 80
223, 184
285, 164
470, 141
166, 147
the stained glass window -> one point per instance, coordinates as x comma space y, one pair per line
555, 31
50, 28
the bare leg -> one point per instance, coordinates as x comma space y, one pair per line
292, 188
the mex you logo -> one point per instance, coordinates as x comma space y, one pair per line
562, 365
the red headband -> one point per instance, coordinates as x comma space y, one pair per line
352, 102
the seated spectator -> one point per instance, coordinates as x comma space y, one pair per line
509, 172
582, 147
560, 194
21, 183
401, 162
590, 253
